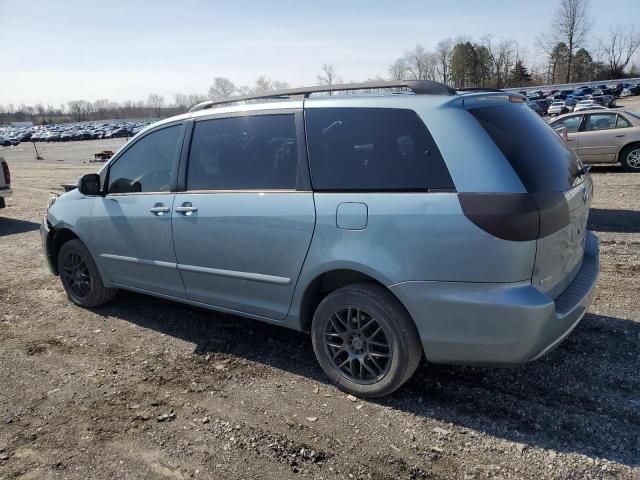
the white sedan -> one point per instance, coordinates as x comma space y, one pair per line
588, 105
558, 108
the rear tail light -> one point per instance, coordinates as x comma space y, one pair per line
517, 217
7, 175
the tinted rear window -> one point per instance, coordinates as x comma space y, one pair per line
373, 149
539, 156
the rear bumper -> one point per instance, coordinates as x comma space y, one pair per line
497, 324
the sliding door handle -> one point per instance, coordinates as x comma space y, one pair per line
186, 208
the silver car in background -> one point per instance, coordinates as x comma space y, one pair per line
425, 222
603, 136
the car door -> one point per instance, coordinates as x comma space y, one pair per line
243, 225
622, 136
131, 223
597, 139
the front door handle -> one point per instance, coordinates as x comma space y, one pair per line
159, 209
620, 136
186, 208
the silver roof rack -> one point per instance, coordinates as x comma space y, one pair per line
419, 87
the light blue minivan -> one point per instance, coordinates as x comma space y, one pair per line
408, 219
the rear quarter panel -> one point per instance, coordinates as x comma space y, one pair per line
410, 236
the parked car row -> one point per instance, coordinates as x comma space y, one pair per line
615, 90
558, 102
630, 90
63, 132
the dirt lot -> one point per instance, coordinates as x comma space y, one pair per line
143, 388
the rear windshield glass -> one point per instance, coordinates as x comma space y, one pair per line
539, 156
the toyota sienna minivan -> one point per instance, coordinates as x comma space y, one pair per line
423, 220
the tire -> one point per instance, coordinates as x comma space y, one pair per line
80, 276
371, 369
630, 158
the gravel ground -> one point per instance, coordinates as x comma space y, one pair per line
144, 388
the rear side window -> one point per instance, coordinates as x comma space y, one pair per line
538, 155
622, 122
257, 152
379, 149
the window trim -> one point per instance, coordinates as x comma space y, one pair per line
425, 190
174, 165
303, 182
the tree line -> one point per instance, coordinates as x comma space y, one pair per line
155, 106
569, 55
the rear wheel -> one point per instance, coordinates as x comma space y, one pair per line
365, 340
80, 276
630, 158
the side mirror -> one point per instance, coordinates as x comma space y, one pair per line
89, 184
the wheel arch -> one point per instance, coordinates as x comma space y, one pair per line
59, 235
634, 143
328, 281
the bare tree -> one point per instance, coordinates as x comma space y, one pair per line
571, 25
156, 102
444, 51
180, 100
502, 56
278, 85
398, 69
330, 76
619, 47
79, 109
222, 88
416, 64
101, 108
420, 64
265, 84
194, 99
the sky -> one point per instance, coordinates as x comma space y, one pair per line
57, 51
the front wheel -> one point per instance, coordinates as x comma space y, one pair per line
365, 341
630, 158
80, 276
